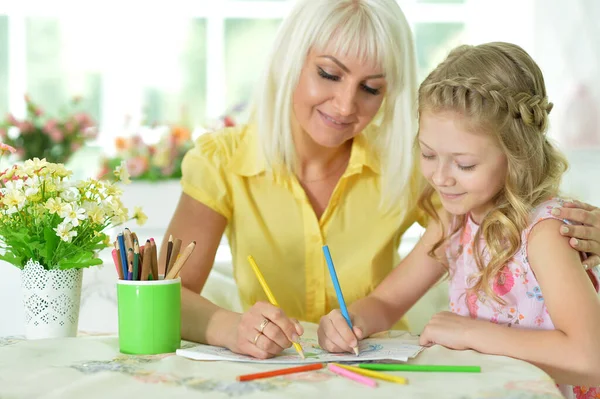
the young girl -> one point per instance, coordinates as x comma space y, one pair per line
483, 116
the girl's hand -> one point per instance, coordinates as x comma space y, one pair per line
264, 331
335, 335
448, 329
586, 235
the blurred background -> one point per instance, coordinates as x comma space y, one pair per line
138, 82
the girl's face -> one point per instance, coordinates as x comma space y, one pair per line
466, 169
336, 97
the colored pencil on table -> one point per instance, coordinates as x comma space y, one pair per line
275, 373
269, 294
420, 367
174, 252
180, 261
136, 260
147, 261
376, 374
123, 253
338, 290
169, 251
352, 375
117, 260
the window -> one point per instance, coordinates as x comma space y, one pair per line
178, 62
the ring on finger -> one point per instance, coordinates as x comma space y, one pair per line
262, 326
256, 338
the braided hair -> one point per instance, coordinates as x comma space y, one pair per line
500, 90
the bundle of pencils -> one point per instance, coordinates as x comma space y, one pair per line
135, 262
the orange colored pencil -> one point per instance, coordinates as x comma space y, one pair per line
275, 373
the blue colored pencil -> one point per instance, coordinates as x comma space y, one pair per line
338, 289
123, 253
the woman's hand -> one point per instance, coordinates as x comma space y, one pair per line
448, 329
264, 331
586, 235
335, 334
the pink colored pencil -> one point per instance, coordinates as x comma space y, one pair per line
352, 375
116, 259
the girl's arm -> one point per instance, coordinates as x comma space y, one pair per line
571, 352
408, 282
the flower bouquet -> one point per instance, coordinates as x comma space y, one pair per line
51, 227
42, 136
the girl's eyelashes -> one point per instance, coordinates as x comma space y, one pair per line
461, 167
335, 78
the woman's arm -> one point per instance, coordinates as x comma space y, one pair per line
392, 298
202, 320
571, 352
586, 235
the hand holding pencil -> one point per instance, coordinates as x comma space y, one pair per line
337, 333
279, 319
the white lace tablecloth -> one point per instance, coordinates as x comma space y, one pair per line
92, 367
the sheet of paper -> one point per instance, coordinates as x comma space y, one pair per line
395, 345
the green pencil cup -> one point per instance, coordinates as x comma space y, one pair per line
149, 316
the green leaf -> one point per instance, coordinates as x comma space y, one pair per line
51, 242
79, 260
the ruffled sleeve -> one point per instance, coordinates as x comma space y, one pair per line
204, 172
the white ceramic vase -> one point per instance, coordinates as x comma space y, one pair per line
51, 300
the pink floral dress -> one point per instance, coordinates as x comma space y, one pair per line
517, 285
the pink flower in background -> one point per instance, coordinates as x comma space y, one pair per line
53, 130
10, 118
25, 127
69, 127
5, 148
2, 133
75, 146
503, 282
586, 393
136, 166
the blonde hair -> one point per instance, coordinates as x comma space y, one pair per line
500, 90
372, 30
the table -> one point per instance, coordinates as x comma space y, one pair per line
92, 367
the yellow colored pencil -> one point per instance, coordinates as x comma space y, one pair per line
269, 294
376, 374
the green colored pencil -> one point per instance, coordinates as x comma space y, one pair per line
420, 367
136, 261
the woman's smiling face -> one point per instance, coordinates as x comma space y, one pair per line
336, 97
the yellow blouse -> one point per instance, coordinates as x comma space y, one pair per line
270, 217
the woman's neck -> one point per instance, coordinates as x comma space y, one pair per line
315, 162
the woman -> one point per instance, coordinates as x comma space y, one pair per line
325, 159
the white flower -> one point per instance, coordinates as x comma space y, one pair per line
14, 198
65, 232
54, 205
71, 194
73, 216
96, 215
13, 185
33, 165
122, 173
